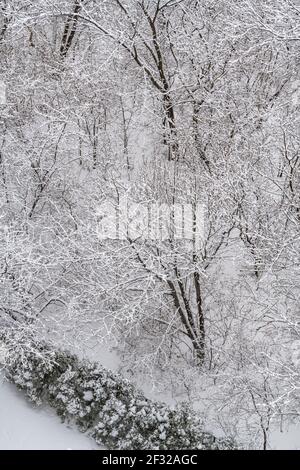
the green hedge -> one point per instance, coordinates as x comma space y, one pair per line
104, 404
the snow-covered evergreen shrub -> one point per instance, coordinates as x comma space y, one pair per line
106, 405
144, 424
82, 391
27, 366
39, 368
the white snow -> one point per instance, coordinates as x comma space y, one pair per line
287, 439
88, 395
3, 352
25, 427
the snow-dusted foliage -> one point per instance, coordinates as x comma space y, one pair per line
143, 424
105, 405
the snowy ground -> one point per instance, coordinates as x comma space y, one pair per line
288, 439
24, 427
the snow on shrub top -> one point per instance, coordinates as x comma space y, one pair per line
106, 405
